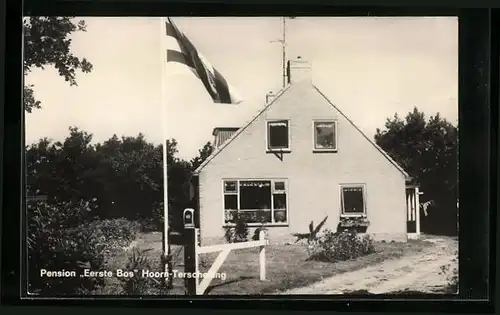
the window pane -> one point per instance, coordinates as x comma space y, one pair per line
257, 216
325, 135
279, 216
255, 195
279, 186
279, 201
353, 200
278, 135
231, 202
255, 183
230, 186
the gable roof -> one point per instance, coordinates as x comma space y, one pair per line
278, 95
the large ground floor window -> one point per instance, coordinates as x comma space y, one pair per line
256, 201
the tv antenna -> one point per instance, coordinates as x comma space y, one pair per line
282, 41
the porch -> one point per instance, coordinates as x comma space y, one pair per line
413, 211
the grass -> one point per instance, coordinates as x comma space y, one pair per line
287, 266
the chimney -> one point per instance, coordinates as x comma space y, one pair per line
299, 70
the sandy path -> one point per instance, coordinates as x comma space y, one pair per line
421, 272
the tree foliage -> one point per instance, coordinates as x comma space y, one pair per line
124, 175
428, 151
47, 42
203, 154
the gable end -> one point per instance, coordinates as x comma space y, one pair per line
394, 163
237, 133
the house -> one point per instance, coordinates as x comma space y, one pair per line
299, 160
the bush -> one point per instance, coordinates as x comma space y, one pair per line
332, 247
63, 237
117, 232
238, 233
138, 285
451, 274
154, 223
256, 233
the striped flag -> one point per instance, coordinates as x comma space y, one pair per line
214, 82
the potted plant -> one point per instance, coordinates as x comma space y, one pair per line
280, 215
354, 222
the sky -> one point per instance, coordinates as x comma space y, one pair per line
370, 68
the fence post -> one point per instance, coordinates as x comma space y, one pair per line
262, 257
190, 244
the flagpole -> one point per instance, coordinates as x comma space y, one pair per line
164, 105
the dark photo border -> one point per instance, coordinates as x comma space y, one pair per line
478, 136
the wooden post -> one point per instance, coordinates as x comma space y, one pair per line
408, 205
190, 245
262, 257
417, 206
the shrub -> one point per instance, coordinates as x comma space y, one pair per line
138, 285
148, 225
256, 232
154, 223
312, 236
61, 236
118, 233
238, 233
451, 276
53, 244
332, 247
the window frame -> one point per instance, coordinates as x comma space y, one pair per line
268, 148
314, 136
286, 191
342, 207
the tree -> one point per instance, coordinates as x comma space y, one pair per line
125, 175
64, 170
428, 151
135, 172
47, 42
203, 154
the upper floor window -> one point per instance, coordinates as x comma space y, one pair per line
278, 135
325, 135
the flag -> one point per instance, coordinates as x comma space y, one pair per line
215, 84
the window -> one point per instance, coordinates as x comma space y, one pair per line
256, 201
278, 135
325, 135
353, 200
